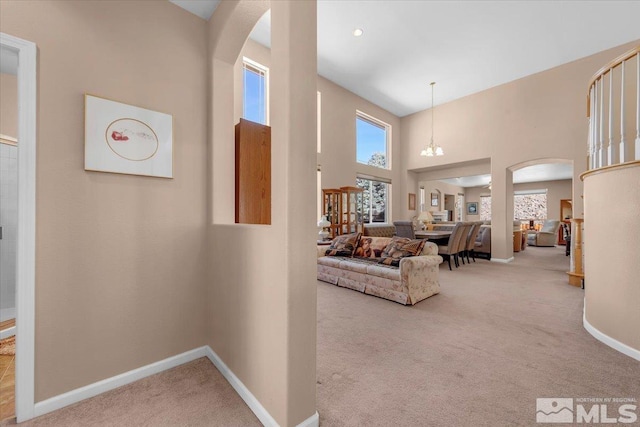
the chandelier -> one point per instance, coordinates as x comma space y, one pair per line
432, 149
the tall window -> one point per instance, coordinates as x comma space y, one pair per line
319, 124
372, 137
319, 192
375, 200
485, 208
256, 87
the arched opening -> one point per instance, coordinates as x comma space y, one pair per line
540, 204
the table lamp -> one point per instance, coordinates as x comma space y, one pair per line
323, 234
425, 218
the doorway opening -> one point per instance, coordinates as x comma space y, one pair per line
8, 227
22, 54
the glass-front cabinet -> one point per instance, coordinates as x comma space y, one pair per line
332, 209
352, 210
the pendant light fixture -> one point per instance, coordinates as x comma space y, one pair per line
432, 149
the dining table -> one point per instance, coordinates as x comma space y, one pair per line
432, 234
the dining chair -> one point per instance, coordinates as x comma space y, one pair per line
471, 241
404, 229
451, 248
462, 244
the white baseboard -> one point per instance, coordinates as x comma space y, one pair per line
105, 385
606, 339
254, 404
312, 421
100, 387
6, 333
502, 260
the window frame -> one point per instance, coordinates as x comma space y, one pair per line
253, 66
387, 129
387, 208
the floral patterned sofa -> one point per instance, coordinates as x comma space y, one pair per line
415, 279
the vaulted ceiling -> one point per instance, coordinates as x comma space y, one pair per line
464, 46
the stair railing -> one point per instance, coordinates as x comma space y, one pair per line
605, 151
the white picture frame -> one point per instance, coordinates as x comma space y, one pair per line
122, 138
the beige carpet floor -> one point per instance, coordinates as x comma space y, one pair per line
478, 354
194, 394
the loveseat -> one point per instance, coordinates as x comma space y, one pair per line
415, 279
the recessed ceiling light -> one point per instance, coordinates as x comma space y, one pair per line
358, 32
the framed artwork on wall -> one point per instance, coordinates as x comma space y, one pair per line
121, 138
412, 202
472, 208
434, 199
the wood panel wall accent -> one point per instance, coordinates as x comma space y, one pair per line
253, 173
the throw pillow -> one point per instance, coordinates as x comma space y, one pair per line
369, 247
401, 247
344, 245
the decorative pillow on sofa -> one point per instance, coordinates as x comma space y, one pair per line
401, 247
343, 245
369, 247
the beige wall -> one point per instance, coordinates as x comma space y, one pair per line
556, 190
8, 105
120, 260
441, 188
338, 133
612, 294
262, 293
538, 117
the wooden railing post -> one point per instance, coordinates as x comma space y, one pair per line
576, 275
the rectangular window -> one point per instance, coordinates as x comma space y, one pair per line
530, 204
319, 124
485, 208
255, 103
375, 199
372, 141
319, 192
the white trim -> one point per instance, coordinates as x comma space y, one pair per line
6, 333
26, 245
312, 421
107, 384
91, 390
387, 129
606, 339
254, 404
502, 260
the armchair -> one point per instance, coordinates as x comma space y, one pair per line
547, 236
